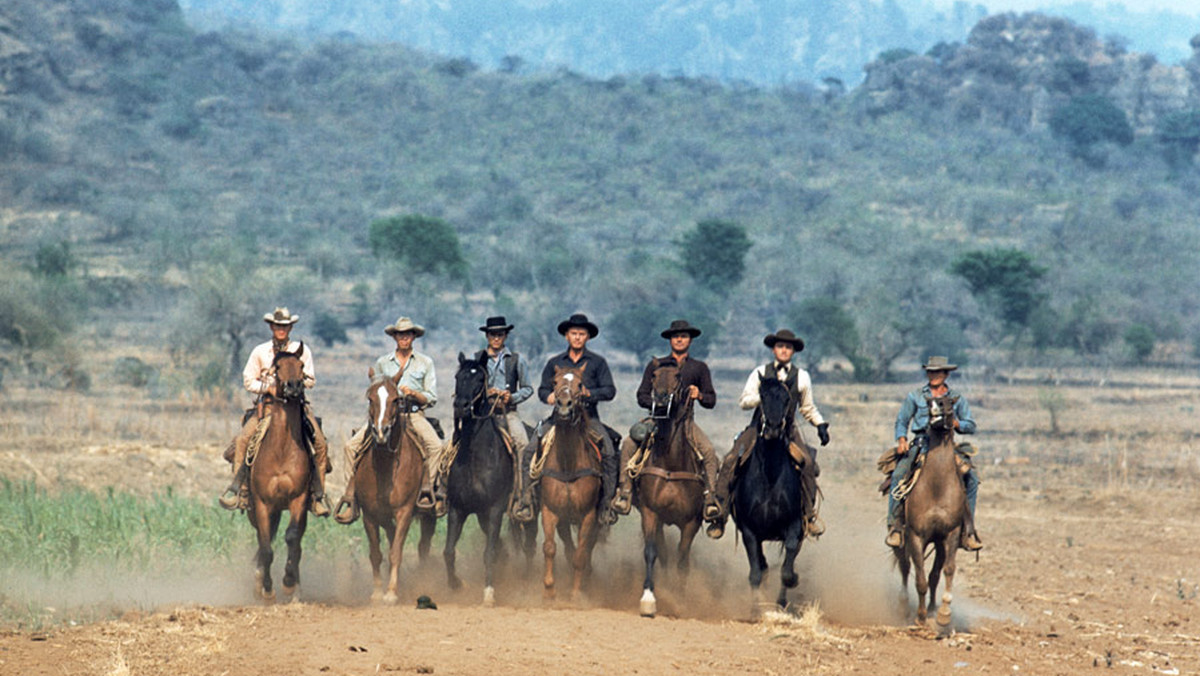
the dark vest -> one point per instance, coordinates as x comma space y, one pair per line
510, 368
790, 383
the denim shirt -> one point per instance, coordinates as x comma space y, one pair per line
419, 375
915, 409
498, 376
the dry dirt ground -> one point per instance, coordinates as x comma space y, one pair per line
1090, 565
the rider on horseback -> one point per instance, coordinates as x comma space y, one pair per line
258, 378
418, 384
597, 386
784, 344
508, 385
915, 411
696, 379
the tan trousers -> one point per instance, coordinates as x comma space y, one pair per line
431, 446
320, 447
516, 429
699, 441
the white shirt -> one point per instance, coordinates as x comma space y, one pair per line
751, 399
256, 376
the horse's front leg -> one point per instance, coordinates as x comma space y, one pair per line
264, 557
916, 554
428, 527
404, 517
489, 523
549, 549
454, 526
687, 535
758, 568
376, 554
581, 561
788, 578
648, 607
297, 525
948, 570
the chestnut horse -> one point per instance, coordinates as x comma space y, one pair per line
570, 484
279, 475
769, 500
481, 478
387, 480
670, 490
933, 515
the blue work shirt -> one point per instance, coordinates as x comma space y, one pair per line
498, 376
915, 410
419, 374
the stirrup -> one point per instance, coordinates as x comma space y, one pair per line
895, 539
712, 508
715, 529
340, 513
231, 499
318, 506
623, 501
970, 542
815, 526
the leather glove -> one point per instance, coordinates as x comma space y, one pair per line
823, 433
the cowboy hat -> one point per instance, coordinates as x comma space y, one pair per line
281, 316
680, 326
496, 324
783, 336
405, 324
939, 363
579, 320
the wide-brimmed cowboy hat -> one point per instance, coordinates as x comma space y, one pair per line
784, 336
496, 324
281, 316
579, 320
680, 326
939, 363
405, 324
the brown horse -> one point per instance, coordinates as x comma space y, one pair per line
933, 515
279, 475
670, 491
387, 480
570, 485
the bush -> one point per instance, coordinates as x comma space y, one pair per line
423, 243
328, 329
54, 260
1091, 118
133, 371
1140, 339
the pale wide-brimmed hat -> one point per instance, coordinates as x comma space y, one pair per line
281, 316
680, 326
405, 324
939, 363
784, 336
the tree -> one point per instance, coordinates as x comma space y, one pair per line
1005, 281
1140, 339
423, 243
1088, 119
1179, 134
713, 254
328, 329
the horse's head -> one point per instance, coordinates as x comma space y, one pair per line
568, 393
941, 412
470, 385
666, 396
384, 402
289, 374
773, 407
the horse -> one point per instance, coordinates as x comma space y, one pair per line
279, 475
768, 495
933, 515
387, 480
481, 477
570, 484
670, 490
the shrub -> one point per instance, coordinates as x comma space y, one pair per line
1091, 118
133, 371
328, 329
1140, 339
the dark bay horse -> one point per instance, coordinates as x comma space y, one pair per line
933, 515
387, 481
768, 495
279, 475
670, 490
570, 485
481, 476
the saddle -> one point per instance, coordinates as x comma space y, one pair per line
963, 454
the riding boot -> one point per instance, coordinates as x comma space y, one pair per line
895, 537
970, 539
425, 496
608, 487
320, 454
624, 500
522, 510
711, 470
346, 510
716, 523
233, 497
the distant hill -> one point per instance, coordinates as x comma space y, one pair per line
163, 183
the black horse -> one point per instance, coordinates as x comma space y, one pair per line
768, 495
481, 476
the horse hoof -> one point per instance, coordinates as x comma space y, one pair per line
292, 592
489, 597
390, 598
267, 597
649, 605
943, 616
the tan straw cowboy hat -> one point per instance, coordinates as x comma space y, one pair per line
939, 363
784, 336
281, 316
405, 324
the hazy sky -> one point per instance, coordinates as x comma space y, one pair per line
1188, 7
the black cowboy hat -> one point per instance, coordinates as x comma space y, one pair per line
784, 336
496, 324
579, 320
680, 326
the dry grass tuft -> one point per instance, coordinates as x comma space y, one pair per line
806, 627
